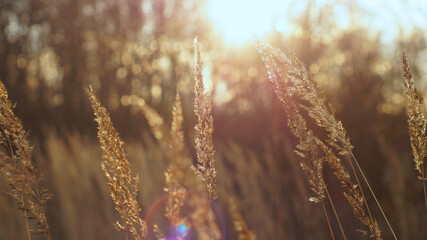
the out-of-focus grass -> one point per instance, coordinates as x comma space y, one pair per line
268, 186
270, 201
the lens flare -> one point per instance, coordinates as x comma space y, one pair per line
185, 227
181, 229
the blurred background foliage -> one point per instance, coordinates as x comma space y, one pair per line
51, 50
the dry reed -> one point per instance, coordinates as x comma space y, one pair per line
18, 170
417, 123
181, 182
293, 83
309, 145
123, 187
203, 129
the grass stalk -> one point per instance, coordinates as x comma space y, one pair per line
293, 83
333, 208
122, 185
203, 138
27, 226
373, 194
425, 192
361, 189
18, 169
335, 213
327, 220
423, 179
417, 122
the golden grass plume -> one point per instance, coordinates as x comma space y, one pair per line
293, 83
417, 122
204, 128
18, 170
123, 187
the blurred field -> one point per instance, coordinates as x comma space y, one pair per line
269, 187
133, 49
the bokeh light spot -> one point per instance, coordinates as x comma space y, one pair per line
181, 229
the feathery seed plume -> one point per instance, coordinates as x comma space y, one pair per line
308, 143
123, 187
417, 123
203, 129
18, 170
292, 80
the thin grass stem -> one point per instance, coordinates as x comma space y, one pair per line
26, 221
336, 215
361, 190
327, 220
210, 221
373, 194
424, 185
333, 208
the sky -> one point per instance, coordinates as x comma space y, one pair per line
240, 20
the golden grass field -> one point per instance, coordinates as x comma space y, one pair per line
136, 121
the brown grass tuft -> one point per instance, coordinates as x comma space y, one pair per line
123, 187
18, 170
417, 123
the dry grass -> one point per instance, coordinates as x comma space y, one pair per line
255, 180
297, 90
123, 187
177, 173
417, 123
204, 128
17, 169
180, 183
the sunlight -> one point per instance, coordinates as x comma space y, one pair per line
240, 20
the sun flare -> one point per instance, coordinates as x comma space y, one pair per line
240, 20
